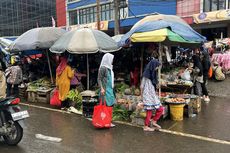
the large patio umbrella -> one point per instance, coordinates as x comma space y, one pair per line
117, 38
171, 18
37, 38
4, 43
85, 41
156, 22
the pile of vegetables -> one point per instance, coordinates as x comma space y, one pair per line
43, 84
75, 97
120, 114
120, 87
125, 89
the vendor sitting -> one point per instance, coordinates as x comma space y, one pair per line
76, 80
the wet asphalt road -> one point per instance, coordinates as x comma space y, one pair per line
80, 137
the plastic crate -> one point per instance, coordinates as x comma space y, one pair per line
88, 106
32, 96
196, 105
43, 96
22, 93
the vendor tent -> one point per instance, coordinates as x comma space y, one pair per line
85, 41
37, 38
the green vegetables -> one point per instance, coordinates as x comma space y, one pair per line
120, 87
43, 83
75, 97
120, 114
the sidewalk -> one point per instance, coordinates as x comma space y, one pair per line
219, 88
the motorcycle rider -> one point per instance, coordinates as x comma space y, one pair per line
13, 77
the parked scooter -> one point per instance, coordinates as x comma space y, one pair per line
11, 120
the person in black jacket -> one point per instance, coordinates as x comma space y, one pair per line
206, 66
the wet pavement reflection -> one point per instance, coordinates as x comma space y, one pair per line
79, 135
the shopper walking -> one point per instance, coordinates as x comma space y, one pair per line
150, 99
106, 80
14, 78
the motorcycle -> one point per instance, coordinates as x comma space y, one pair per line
11, 120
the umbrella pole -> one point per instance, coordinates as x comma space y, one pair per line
142, 59
159, 69
48, 58
87, 56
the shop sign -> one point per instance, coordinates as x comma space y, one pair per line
205, 17
103, 26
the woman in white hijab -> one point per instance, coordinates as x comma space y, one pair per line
106, 79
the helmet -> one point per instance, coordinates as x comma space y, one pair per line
17, 59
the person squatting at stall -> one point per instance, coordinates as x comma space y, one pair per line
64, 74
106, 80
13, 78
150, 99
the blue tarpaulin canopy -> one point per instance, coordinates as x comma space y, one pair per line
181, 29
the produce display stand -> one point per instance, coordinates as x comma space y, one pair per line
192, 104
44, 95
39, 95
177, 88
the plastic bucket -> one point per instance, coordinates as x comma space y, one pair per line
177, 112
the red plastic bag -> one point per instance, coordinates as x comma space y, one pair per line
102, 116
54, 100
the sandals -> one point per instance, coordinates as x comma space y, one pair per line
148, 129
155, 125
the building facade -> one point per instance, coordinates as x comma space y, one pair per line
18, 16
211, 18
83, 12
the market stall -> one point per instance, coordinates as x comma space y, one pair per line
85, 41
164, 30
32, 46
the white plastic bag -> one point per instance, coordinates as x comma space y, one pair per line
186, 75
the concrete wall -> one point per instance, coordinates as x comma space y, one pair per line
61, 12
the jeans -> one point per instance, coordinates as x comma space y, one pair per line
203, 86
15, 89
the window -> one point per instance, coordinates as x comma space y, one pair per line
213, 5
73, 1
73, 17
89, 15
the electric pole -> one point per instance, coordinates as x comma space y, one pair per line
98, 15
116, 17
